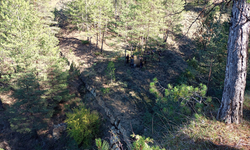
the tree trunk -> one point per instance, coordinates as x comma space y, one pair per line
231, 109
102, 40
115, 13
90, 45
96, 41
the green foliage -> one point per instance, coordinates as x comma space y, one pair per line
30, 56
57, 88
246, 103
71, 144
105, 90
182, 100
85, 42
82, 125
136, 19
110, 71
187, 76
210, 55
98, 53
141, 143
30, 109
193, 63
101, 145
23, 46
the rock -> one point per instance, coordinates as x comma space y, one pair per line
115, 147
58, 129
112, 119
93, 92
114, 140
117, 122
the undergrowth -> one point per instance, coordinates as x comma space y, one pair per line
184, 117
83, 125
204, 133
178, 102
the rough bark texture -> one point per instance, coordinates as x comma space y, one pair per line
231, 109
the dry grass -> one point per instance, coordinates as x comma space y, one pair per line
202, 133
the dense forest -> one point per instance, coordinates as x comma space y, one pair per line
124, 74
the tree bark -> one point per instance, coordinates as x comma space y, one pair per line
96, 41
231, 109
102, 40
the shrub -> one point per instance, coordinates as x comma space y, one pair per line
187, 76
85, 42
110, 71
83, 125
105, 90
180, 101
141, 143
101, 145
97, 53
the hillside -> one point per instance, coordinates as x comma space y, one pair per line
173, 98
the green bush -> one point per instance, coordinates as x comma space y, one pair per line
101, 145
181, 101
83, 125
110, 71
141, 143
187, 76
193, 62
105, 90
98, 53
85, 42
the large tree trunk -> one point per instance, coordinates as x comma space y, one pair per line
231, 109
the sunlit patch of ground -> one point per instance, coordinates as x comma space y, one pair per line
202, 132
7, 98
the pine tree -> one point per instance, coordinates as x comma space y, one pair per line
29, 48
25, 39
102, 15
26, 111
